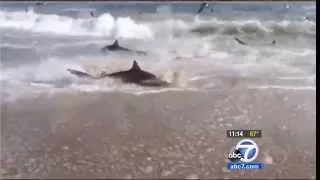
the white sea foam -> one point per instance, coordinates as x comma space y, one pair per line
302, 88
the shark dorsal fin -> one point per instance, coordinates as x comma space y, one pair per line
115, 43
135, 66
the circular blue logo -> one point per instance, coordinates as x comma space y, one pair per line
249, 150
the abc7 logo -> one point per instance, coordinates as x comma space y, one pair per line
246, 151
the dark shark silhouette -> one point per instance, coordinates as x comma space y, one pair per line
202, 6
244, 43
307, 18
134, 75
39, 3
240, 41
92, 14
116, 47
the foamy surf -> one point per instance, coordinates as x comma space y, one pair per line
165, 90
298, 78
298, 88
104, 25
126, 27
196, 50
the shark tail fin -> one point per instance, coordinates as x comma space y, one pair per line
80, 73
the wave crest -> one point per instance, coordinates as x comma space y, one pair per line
129, 28
104, 25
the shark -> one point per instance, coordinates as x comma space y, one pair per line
116, 47
135, 75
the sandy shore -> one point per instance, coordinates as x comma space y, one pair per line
167, 135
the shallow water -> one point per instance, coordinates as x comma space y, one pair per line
36, 40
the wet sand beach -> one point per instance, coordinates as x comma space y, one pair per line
165, 135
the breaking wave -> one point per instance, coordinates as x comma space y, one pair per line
104, 25
127, 27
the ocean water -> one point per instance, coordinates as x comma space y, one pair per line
56, 125
38, 43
